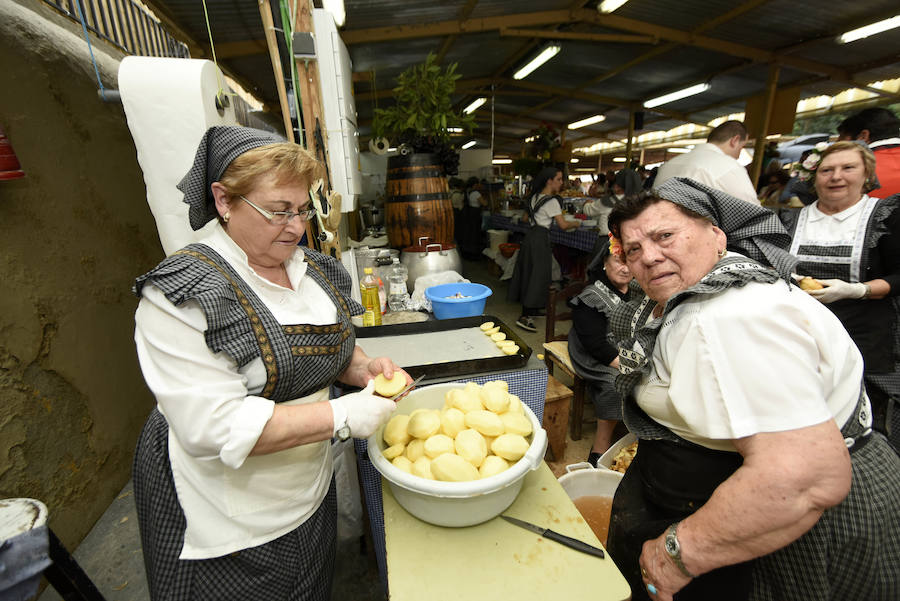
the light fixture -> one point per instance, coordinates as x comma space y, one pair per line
678, 95
872, 29
588, 121
608, 6
549, 51
454, 130
392, 149
501, 161
679, 150
469, 144
474, 105
573, 160
336, 8
618, 159
529, 139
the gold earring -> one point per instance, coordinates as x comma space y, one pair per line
722, 253
226, 216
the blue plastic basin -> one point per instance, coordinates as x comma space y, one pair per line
448, 308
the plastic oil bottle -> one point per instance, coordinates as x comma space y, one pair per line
398, 299
368, 288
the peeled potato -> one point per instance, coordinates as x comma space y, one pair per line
395, 430
388, 388
516, 423
492, 466
486, 326
465, 400
492, 331
422, 468
470, 446
485, 422
501, 384
809, 283
453, 421
511, 447
403, 463
498, 336
453, 468
423, 424
501, 344
494, 399
415, 449
438, 445
515, 405
394, 451
511, 349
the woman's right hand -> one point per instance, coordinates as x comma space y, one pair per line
362, 411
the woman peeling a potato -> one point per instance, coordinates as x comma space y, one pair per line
240, 337
850, 244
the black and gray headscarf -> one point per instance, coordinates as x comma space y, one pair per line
219, 146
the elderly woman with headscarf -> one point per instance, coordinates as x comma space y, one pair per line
850, 242
240, 337
593, 356
757, 475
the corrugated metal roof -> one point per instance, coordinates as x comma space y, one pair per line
565, 89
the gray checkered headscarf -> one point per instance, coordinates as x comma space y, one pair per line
752, 230
219, 146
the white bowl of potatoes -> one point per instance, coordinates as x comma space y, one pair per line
481, 442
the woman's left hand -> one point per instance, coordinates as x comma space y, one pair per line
363, 368
658, 570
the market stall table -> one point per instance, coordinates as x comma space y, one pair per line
583, 238
497, 560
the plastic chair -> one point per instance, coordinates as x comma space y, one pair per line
556, 346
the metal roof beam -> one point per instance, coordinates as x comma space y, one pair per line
464, 14
571, 35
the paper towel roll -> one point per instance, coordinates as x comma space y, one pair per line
169, 104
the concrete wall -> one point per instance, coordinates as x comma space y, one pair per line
74, 233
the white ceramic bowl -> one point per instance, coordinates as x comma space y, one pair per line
606, 458
454, 504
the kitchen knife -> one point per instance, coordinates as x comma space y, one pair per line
408, 387
562, 539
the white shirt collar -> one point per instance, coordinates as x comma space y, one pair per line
222, 243
816, 215
884, 142
709, 146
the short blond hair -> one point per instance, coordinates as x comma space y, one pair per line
289, 163
867, 157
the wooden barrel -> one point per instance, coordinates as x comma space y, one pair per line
418, 201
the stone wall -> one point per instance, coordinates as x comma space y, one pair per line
74, 233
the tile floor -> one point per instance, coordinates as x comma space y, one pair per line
111, 553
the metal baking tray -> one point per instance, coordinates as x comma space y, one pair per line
451, 342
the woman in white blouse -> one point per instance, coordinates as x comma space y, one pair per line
240, 337
745, 394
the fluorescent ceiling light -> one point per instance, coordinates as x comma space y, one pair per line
608, 6
529, 139
588, 121
454, 130
475, 104
618, 159
336, 8
679, 150
469, 144
394, 149
546, 54
864, 32
672, 97
573, 160
501, 161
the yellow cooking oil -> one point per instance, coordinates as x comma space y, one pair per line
368, 288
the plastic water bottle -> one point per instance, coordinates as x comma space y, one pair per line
398, 299
368, 288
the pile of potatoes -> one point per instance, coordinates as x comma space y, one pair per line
480, 432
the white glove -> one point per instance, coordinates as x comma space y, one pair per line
362, 411
836, 290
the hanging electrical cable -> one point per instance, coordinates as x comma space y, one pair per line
105, 95
221, 98
288, 13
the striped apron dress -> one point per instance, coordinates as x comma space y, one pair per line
532, 273
872, 323
299, 359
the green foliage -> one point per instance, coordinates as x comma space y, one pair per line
526, 166
422, 104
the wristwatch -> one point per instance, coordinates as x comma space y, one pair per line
673, 548
343, 433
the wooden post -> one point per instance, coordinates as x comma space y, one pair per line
630, 137
265, 12
759, 147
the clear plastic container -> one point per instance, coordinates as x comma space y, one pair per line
368, 288
398, 296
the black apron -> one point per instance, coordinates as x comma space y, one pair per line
532, 273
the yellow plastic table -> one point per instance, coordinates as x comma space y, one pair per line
497, 560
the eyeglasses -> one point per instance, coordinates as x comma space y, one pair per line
281, 217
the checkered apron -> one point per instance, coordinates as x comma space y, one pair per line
299, 359
849, 260
852, 552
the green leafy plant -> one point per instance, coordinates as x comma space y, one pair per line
423, 112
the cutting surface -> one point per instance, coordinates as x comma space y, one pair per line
497, 560
428, 348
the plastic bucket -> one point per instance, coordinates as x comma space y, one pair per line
582, 480
496, 238
448, 308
